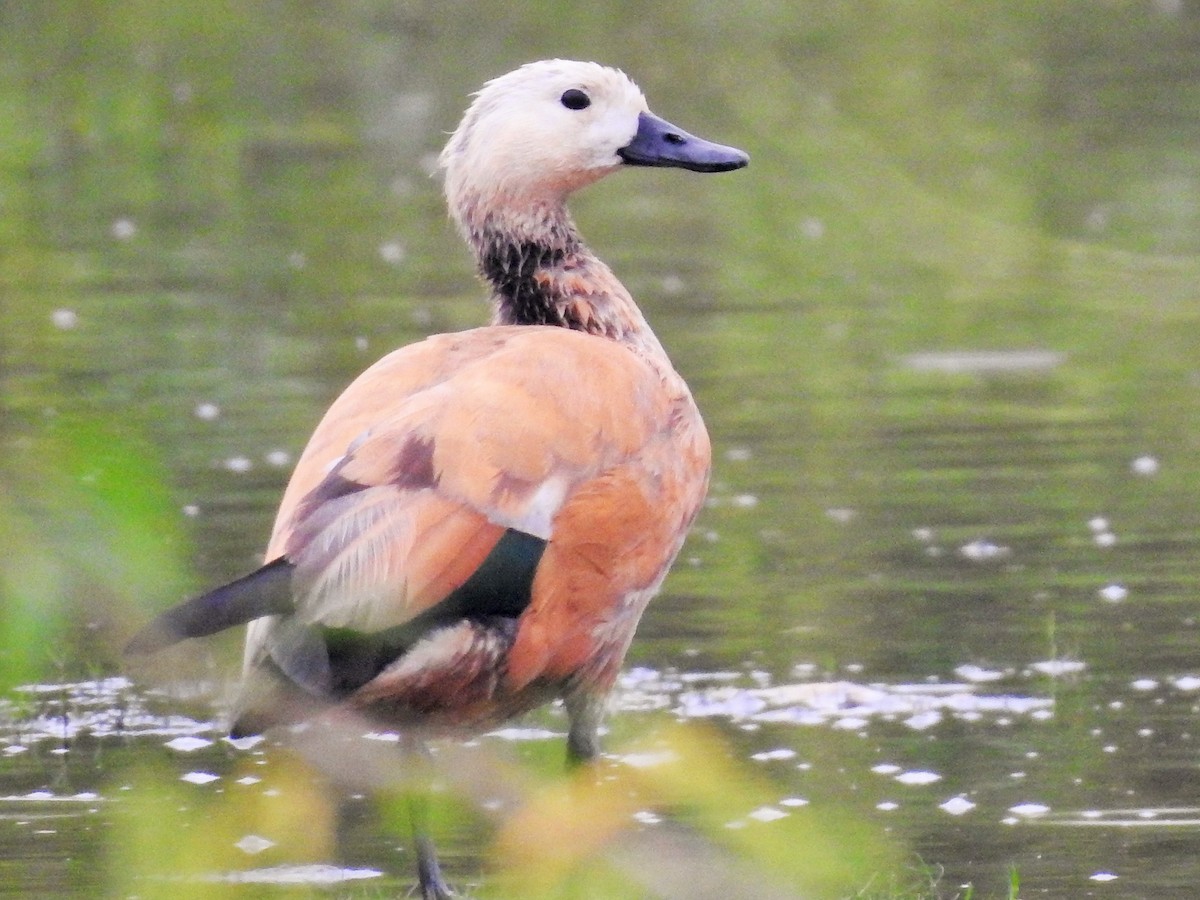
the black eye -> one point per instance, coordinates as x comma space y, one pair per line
576, 99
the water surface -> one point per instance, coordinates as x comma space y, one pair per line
942, 330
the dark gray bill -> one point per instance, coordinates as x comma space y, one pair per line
659, 143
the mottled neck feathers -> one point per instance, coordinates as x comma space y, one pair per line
517, 274
546, 276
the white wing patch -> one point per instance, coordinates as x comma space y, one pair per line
537, 515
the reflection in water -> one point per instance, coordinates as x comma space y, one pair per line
984, 362
944, 339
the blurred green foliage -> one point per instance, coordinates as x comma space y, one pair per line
551, 846
175, 840
90, 531
559, 834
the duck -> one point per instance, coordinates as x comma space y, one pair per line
479, 520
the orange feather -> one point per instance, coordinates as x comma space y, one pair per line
564, 435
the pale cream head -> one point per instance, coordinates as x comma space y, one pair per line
522, 144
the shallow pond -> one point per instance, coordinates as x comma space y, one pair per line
941, 611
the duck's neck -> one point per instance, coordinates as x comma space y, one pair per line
541, 273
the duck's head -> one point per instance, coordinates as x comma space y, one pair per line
533, 136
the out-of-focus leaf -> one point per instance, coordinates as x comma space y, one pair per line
90, 533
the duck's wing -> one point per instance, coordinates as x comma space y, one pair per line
434, 485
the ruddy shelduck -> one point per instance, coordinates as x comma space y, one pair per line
478, 522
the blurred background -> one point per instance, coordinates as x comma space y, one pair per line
938, 622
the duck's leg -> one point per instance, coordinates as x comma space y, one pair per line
430, 882
585, 710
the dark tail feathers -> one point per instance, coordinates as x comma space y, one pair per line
266, 592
